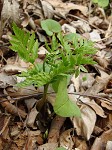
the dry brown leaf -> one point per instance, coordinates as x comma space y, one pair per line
10, 11
79, 82
6, 80
48, 146
31, 140
4, 121
81, 25
63, 8
31, 118
66, 140
107, 105
47, 9
102, 141
13, 109
80, 144
14, 131
66, 28
84, 126
99, 111
97, 143
99, 85
13, 69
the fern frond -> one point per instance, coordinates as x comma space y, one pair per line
24, 44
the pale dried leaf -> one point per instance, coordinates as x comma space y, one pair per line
66, 140
63, 7
81, 25
31, 118
99, 111
84, 126
80, 82
10, 11
12, 68
47, 9
48, 146
68, 28
6, 80
30, 103
107, 105
95, 36
109, 145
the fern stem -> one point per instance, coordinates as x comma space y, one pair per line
45, 92
41, 103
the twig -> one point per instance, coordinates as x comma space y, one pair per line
39, 95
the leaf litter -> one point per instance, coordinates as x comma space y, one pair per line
21, 124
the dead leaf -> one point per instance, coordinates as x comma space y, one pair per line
95, 36
68, 28
63, 8
10, 11
31, 118
109, 145
66, 140
99, 111
6, 80
84, 126
81, 25
47, 9
48, 146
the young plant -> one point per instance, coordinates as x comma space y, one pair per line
101, 3
66, 55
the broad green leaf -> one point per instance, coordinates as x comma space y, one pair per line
69, 37
50, 26
63, 106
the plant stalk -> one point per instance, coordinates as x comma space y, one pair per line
41, 103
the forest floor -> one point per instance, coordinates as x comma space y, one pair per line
22, 126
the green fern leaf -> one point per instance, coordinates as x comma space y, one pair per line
24, 44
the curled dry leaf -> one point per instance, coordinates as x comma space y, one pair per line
99, 85
68, 28
107, 105
47, 9
31, 118
99, 111
84, 126
66, 140
81, 25
6, 80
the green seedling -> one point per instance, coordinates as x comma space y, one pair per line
67, 54
101, 3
